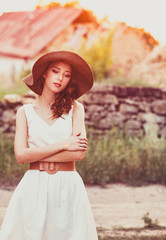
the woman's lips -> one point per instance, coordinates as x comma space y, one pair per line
57, 84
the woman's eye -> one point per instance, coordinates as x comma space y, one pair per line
67, 76
55, 71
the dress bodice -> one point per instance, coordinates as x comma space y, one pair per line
40, 133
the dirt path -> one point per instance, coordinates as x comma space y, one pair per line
118, 205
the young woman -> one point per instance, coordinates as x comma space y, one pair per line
50, 202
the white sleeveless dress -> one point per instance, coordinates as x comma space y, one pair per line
49, 206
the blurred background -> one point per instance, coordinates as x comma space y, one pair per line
125, 44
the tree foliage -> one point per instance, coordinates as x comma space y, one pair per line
98, 55
72, 4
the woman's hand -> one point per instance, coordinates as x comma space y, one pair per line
76, 142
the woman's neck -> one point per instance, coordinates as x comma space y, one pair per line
46, 99
45, 102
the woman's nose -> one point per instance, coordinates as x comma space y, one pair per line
60, 76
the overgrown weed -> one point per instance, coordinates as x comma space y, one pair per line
111, 158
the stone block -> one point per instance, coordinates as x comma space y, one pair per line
8, 116
12, 100
116, 118
132, 124
120, 91
144, 107
100, 88
125, 108
159, 107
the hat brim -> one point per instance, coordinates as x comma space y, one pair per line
84, 75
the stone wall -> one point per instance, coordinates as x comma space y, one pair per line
8, 109
136, 110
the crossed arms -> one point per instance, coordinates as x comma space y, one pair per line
66, 151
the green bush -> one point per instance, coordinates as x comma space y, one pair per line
18, 86
25, 71
120, 80
98, 55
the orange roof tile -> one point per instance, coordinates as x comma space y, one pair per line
24, 34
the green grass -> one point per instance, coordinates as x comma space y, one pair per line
10, 170
115, 158
112, 158
18, 88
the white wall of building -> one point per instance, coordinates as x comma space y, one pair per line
10, 69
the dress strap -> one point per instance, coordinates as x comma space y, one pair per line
28, 111
71, 111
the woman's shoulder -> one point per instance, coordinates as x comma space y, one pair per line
78, 107
20, 114
78, 104
21, 111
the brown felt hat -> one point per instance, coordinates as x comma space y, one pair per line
83, 72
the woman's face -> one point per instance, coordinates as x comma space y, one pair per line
57, 76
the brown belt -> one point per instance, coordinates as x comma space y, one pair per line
53, 167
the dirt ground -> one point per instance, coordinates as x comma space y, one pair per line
118, 205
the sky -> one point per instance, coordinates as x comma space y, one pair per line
147, 14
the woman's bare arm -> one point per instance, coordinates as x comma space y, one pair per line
24, 154
78, 126
64, 156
